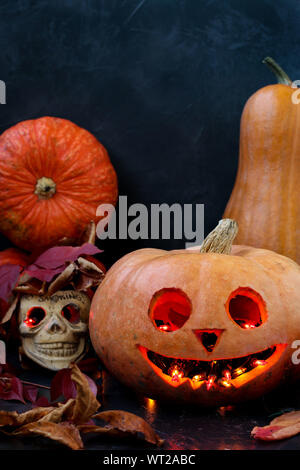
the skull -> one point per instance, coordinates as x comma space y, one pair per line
54, 328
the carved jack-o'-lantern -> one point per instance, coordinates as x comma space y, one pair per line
213, 326
53, 329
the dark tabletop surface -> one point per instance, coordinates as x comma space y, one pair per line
182, 427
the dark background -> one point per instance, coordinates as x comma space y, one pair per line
161, 83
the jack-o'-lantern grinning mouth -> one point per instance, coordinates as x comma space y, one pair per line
216, 374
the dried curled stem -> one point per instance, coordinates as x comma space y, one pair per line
221, 238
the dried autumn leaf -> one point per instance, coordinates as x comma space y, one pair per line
65, 433
42, 401
89, 235
123, 424
63, 385
282, 427
12, 418
30, 392
62, 279
11, 388
29, 285
86, 404
7, 309
57, 414
53, 261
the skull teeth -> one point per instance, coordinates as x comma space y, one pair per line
57, 349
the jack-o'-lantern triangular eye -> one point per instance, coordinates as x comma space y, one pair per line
169, 309
246, 307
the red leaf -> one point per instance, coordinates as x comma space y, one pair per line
53, 261
30, 393
63, 385
43, 274
41, 401
8, 369
9, 274
90, 365
11, 389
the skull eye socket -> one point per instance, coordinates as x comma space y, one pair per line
169, 309
34, 316
71, 312
247, 308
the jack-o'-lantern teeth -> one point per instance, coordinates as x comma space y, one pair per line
214, 374
56, 349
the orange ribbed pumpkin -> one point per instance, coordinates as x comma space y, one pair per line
13, 256
213, 327
53, 176
265, 200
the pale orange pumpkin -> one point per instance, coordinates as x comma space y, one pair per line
265, 200
53, 176
213, 326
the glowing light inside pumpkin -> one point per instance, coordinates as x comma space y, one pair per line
165, 328
210, 381
258, 362
176, 373
199, 377
227, 374
225, 383
169, 309
246, 308
221, 373
239, 371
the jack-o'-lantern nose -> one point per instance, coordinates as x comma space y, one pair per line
208, 338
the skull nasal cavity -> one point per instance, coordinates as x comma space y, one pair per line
54, 327
208, 338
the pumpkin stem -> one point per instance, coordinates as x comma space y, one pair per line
45, 188
282, 77
221, 238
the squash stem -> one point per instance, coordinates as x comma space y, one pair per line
221, 238
282, 77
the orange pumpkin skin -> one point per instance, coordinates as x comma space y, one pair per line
120, 324
14, 256
53, 176
266, 195
11, 256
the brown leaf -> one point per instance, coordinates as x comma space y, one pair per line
90, 267
91, 273
9, 312
86, 404
60, 412
12, 418
30, 285
62, 279
282, 427
89, 236
65, 433
122, 423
